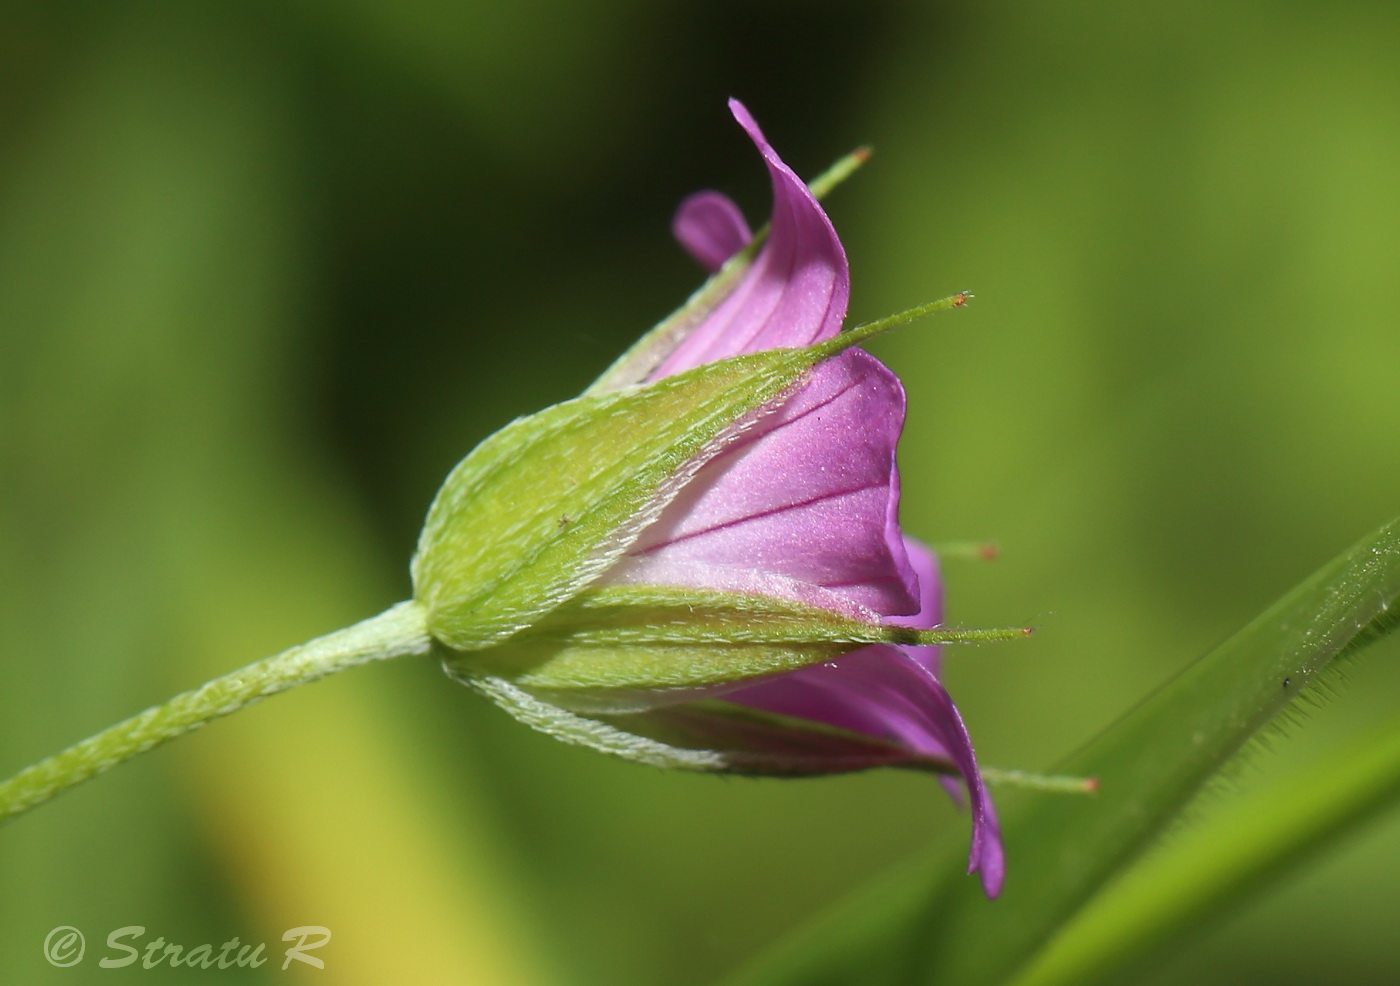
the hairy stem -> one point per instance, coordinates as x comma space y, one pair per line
398, 631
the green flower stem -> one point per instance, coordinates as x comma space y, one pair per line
398, 631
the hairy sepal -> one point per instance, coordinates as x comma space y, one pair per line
568, 727
544, 506
616, 647
707, 736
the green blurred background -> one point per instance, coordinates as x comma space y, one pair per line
267, 270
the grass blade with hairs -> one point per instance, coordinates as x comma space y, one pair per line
925, 923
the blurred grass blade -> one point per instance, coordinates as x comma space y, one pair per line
1204, 871
929, 924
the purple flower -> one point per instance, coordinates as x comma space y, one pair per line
803, 506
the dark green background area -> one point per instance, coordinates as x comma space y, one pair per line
268, 270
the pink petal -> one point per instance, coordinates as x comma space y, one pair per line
801, 507
796, 291
883, 692
804, 506
711, 228
930, 584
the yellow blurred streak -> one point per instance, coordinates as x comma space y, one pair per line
325, 821
322, 806
151, 237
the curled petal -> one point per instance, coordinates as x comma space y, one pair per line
882, 692
796, 291
801, 506
711, 228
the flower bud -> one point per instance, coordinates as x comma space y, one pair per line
699, 563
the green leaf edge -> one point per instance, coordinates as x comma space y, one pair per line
1207, 869
926, 922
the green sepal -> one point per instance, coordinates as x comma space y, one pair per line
626, 677
646, 354
547, 503
761, 743
631, 639
594, 734
712, 736
648, 614
659, 638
